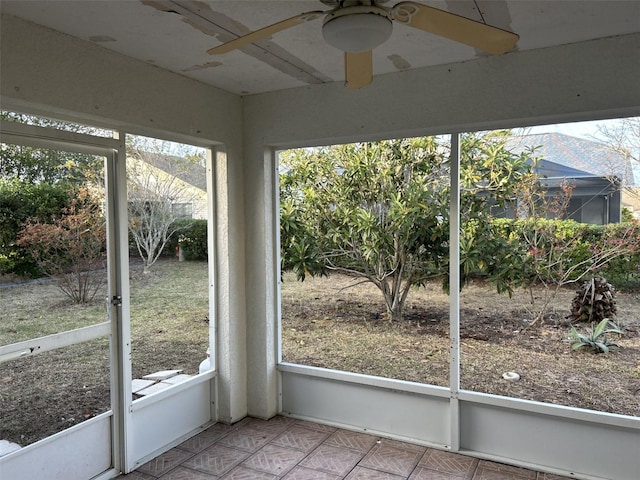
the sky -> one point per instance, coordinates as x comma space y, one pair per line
580, 129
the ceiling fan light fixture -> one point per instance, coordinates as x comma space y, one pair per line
357, 29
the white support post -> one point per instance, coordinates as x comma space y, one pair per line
212, 229
454, 291
275, 158
118, 303
230, 327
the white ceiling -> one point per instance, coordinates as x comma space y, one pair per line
175, 35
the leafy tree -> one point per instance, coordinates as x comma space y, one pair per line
154, 184
35, 183
380, 211
37, 165
72, 247
20, 201
491, 178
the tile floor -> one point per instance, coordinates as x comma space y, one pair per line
289, 449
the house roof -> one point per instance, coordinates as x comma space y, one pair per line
567, 156
189, 172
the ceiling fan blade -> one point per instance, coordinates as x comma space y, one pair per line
454, 27
358, 69
265, 32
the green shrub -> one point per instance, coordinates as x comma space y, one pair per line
624, 271
574, 243
7, 262
19, 202
193, 240
170, 250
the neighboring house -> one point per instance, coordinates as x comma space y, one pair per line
596, 172
631, 200
188, 195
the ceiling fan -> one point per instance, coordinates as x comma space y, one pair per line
357, 27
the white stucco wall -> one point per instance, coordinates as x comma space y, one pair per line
44, 71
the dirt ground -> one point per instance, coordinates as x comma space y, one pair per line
328, 324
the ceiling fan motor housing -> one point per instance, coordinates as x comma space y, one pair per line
357, 28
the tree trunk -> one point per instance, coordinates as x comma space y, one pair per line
395, 311
394, 299
395, 293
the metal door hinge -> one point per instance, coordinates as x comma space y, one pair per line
116, 301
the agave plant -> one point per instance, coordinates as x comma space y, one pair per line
596, 338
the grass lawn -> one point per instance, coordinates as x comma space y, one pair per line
325, 323
46, 393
